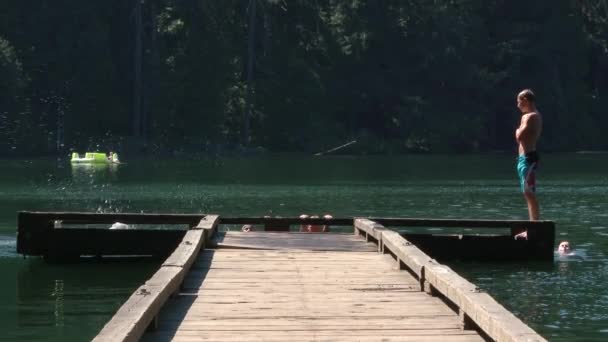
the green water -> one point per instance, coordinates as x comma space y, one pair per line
566, 300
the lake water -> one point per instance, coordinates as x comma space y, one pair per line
565, 300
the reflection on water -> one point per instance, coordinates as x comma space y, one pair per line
8, 246
574, 255
89, 173
58, 295
566, 300
72, 302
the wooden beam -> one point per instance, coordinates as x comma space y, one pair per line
406, 252
150, 218
208, 222
209, 225
32, 234
369, 227
286, 221
87, 241
141, 309
129, 218
494, 247
184, 255
394, 222
135, 315
459, 223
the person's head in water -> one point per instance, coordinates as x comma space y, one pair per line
564, 247
526, 101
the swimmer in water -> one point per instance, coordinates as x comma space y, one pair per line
564, 247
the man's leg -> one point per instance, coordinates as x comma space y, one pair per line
533, 208
533, 212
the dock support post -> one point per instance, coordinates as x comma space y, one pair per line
429, 288
153, 326
33, 234
465, 320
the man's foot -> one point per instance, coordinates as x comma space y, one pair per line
522, 236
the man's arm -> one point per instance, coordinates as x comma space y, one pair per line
527, 127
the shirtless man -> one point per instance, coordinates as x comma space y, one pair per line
526, 136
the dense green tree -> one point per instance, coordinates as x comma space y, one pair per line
399, 76
14, 120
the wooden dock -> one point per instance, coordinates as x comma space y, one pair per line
353, 293
369, 285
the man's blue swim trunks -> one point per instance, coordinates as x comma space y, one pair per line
526, 169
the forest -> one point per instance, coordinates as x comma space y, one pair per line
398, 76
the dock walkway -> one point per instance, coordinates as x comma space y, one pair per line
375, 284
306, 287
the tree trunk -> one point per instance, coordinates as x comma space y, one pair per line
137, 83
250, 66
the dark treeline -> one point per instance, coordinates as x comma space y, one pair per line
299, 75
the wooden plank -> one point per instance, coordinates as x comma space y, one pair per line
457, 223
485, 247
405, 252
211, 285
130, 218
231, 254
368, 227
32, 234
306, 328
142, 307
282, 221
495, 320
321, 312
131, 320
319, 273
209, 224
292, 241
410, 324
88, 241
187, 251
190, 282
272, 296
416, 306
303, 268
339, 336
390, 222
356, 327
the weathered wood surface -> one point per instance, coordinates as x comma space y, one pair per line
291, 241
38, 236
141, 309
292, 292
157, 218
139, 218
486, 248
474, 305
87, 241
392, 222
